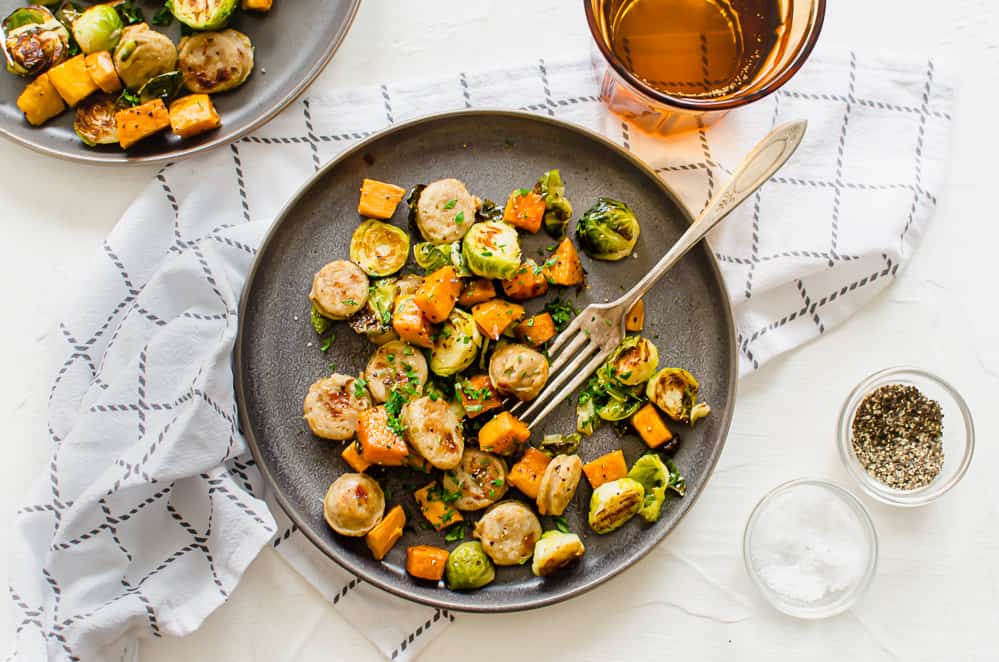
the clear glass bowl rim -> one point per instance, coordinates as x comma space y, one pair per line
870, 485
859, 589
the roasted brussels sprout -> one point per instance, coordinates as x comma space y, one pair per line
203, 14
95, 123
98, 28
634, 361
508, 531
558, 484
456, 345
674, 390
443, 211
608, 230
379, 248
374, 320
354, 504
614, 503
142, 54
332, 405
653, 474
320, 323
479, 479
468, 567
561, 444
518, 370
586, 414
492, 250
431, 257
34, 41
554, 551
165, 86
558, 209
214, 62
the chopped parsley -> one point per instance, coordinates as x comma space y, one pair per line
393, 407
523, 191
498, 482
163, 17
561, 311
561, 524
450, 203
459, 218
327, 342
360, 387
455, 533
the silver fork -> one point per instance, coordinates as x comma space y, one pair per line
580, 349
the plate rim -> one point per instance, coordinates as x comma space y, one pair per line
335, 555
123, 159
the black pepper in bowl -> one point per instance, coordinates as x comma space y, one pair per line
897, 435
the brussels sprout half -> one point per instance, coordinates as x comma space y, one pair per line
492, 250
561, 444
468, 567
608, 230
380, 249
95, 122
634, 360
558, 209
165, 86
456, 345
98, 28
33, 41
674, 390
653, 474
430, 257
374, 320
614, 503
203, 14
554, 551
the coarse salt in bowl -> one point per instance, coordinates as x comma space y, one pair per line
811, 548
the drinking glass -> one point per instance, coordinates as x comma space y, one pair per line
687, 43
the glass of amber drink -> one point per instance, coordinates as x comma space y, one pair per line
674, 65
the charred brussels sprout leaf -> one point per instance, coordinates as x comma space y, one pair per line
380, 249
608, 230
98, 28
320, 324
674, 390
95, 123
489, 211
654, 475
374, 320
162, 17
34, 41
614, 503
203, 14
492, 249
165, 86
558, 209
561, 444
129, 13
468, 567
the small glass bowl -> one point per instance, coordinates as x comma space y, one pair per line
958, 436
835, 602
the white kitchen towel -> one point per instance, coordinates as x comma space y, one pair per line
150, 508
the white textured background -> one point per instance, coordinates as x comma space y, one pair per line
936, 595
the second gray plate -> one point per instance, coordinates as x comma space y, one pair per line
277, 357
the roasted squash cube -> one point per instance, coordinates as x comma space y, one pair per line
524, 209
352, 455
476, 291
426, 562
430, 498
100, 68
527, 282
192, 115
478, 395
650, 426
40, 101
256, 5
564, 266
536, 330
386, 533
142, 121
378, 199
504, 434
605, 469
72, 81
526, 474
379, 443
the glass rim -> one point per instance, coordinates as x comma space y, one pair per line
690, 103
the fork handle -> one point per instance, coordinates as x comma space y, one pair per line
758, 166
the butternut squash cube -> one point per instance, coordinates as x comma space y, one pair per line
72, 81
504, 434
379, 443
386, 533
650, 426
352, 456
426, 562
441, 515
526, 474
192, 115
40, 101
605, 469
256, 5
142, 121
100, 68
378, 199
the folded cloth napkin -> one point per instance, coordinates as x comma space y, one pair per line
151, 507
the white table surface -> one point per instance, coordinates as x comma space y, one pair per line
936, 595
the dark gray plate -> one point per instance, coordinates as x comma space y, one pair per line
277, 357
292, 43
